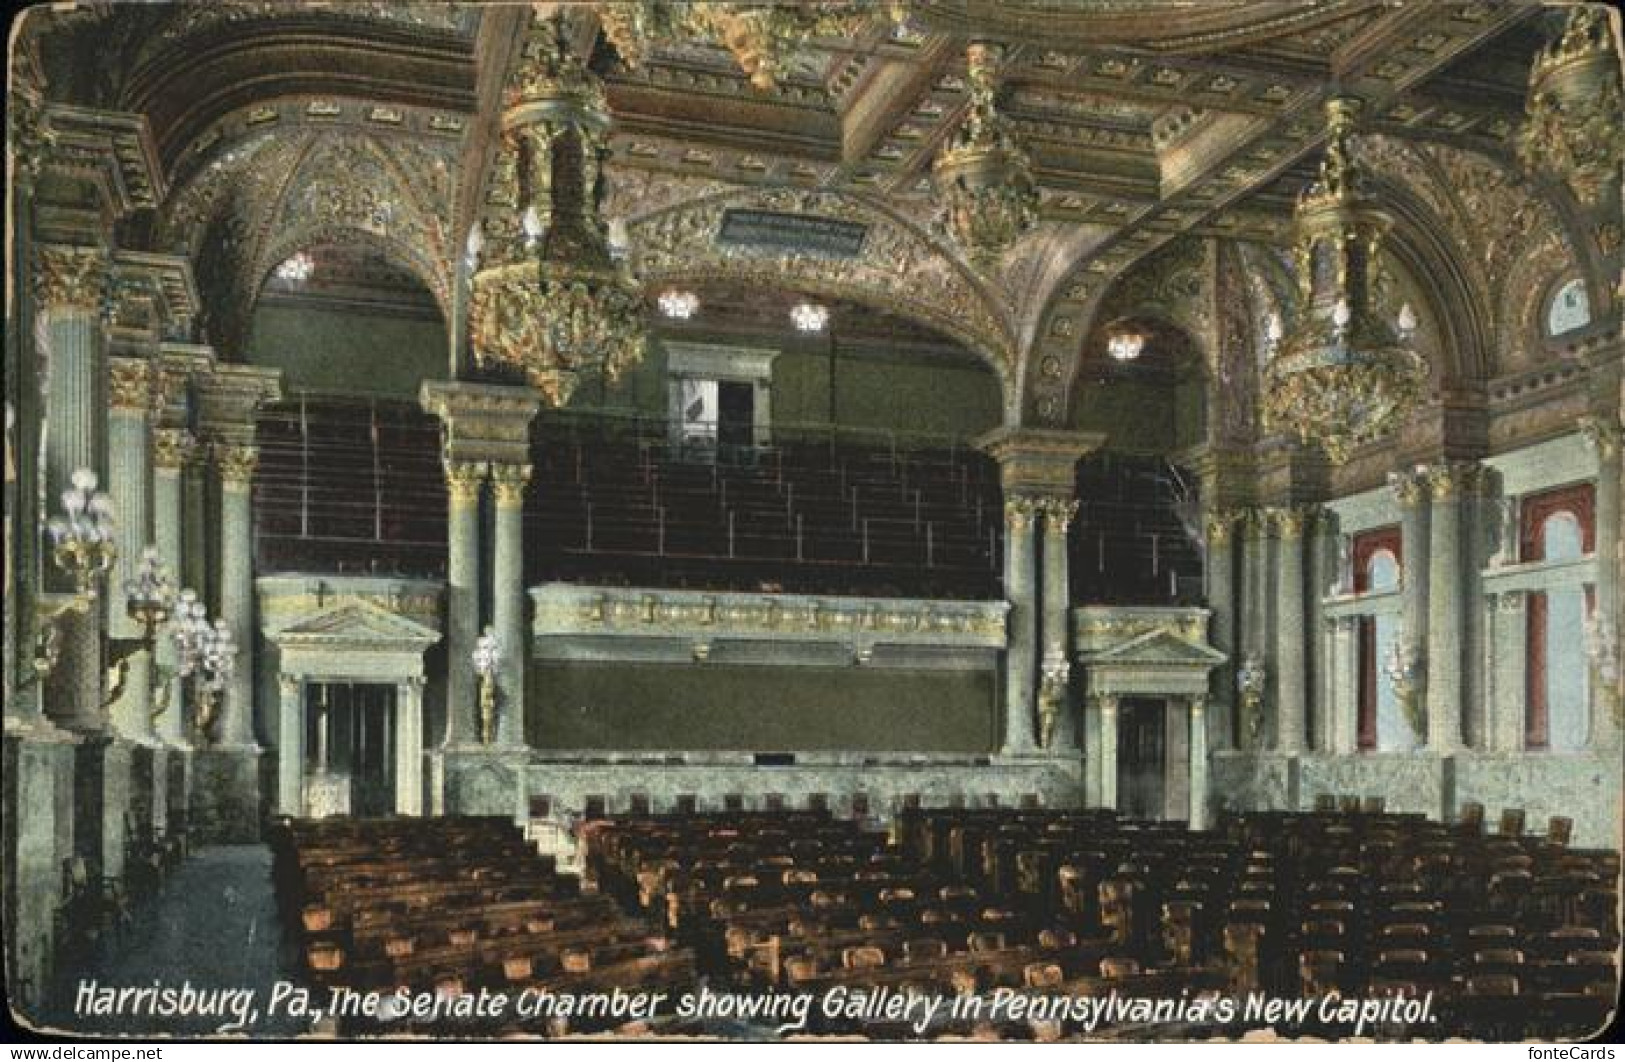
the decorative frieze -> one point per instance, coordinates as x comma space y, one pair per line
482, 423
563, 610
1096, 628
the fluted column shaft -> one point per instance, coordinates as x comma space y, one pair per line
170, 451
1447, 604
1198, 766
290, 789
235, 464
1108, 750
1291, 632
130, 486
71, 286
1221, 603
409, 747
1020, 591
508, 609
1058, 514
463, 483
1415, 526
1605, 438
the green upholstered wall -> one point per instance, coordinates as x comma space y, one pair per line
760, 709
327, 350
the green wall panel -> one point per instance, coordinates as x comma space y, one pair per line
761, 709
326, 350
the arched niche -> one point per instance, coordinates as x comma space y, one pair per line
360, 319
1155, 403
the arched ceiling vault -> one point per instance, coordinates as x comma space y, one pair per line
1149, 126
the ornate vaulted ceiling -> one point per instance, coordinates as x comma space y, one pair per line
280, 125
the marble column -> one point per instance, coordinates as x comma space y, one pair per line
1198, 769
131, 392
1020, 656
1323, 574
70, 286
171, 450
1108, 749
1291, 632
1415, 524
1509, 635
508, 606
463, 487
1344, 668
1607, 716
1058, 514
290, 772
235, 463
1450, 483
409, 746
1221, 603
1253, 639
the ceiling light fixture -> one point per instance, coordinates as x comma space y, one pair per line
809, 317
1125, 344
678, 305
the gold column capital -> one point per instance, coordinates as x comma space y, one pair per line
1221, 526
1058, 514
1410, 488
1289, 521
237, 463
463, 480
70, 277
130, 384
1452, 479
508, 481
1019, 510
172, 448
1602, 435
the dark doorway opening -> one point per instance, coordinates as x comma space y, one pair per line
1141, 759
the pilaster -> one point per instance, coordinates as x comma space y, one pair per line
508, 484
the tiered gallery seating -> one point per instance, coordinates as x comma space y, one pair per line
825, 516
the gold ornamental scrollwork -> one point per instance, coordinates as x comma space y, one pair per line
71, 278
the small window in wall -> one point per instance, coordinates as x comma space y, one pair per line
720, 398
1558, 527
1570, 309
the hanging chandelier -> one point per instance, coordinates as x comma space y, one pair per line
1343, 376
1574, 131
550, 299
983, 176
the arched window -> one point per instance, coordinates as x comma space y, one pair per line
1569, 309
1558, 528
1382, 725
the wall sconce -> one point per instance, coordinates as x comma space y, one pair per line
1602, 651
1251, 677
1403, 668
1054, 678
205, 653
82, 540
148, 598
487, 657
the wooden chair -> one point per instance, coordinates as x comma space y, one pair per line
1042, 975
1559, 829
1320, 971
1117, 968
863, 957
1511, 822
1471, 821
984, 941
924, 949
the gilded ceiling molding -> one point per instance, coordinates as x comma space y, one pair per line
900, 269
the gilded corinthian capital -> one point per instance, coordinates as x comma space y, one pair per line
1410, 488
129, 383
463, 479
1019, 511
1602, 435
508, 482
1058, 514
1290, 520
171, 448
1451, 479
1221, 525
237, 463
70, 277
